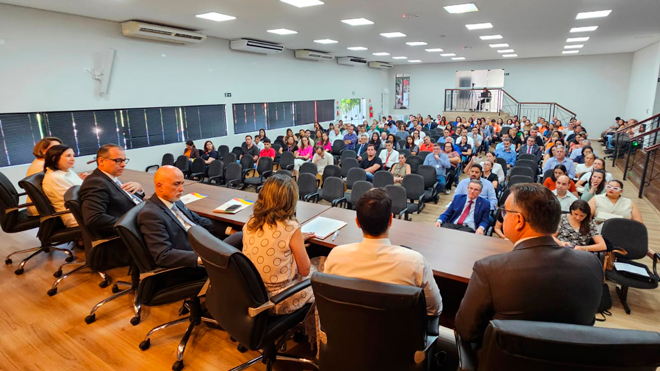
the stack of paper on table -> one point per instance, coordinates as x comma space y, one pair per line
322, 227
243, 203
190, 197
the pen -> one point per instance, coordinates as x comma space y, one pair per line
335, 235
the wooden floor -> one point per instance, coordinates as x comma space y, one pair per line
48, 333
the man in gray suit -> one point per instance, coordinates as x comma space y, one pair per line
537, 281
530, 147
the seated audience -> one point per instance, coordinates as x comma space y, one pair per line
426, 146
375, 140
487, 189
531, 148
393, 139
210, 154
411, 146
257, 143
467, 213
465, 150
595, 186
267, 151
551, 181
586, 166
560, 158
497, 168
507, 286
249, 149
389, 156
37, 165
400, 169
304, 154
262, 135
191, 151
613, 205
59, 177
289, 146
325, 142
578, 230
441, 163
361, 148
454, 160
583, 152
371, 163
335, 134
487, 166
565, 197
376, 259
506, 152
350, 139
599, 164
322, 159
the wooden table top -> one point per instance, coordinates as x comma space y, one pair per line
146, 180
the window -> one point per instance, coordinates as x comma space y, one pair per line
250, 117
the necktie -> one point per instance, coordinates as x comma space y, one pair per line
133, 197
387, 158
529, 150
187, 223
465, 214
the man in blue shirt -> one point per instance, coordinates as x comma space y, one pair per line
487, 191
507, 153
560, 158
440, 162
350, 138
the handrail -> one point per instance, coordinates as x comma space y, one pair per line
646, 133
626, 127
566, 109
652, 148
509, 95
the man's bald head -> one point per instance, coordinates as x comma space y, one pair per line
562, 184
169, 183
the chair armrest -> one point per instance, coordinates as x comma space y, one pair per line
54, 215
101, 242
656, 257
18, 207
311, 196
467, 357
232, 183
22, 194
152, 166
432, 325
200, 175
266, 174
338, 201
289, 167
253, 312
157, 271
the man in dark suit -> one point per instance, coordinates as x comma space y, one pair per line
530, 147
467, 212
164, 222
105, 199
537, 281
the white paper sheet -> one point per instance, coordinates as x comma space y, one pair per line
322, 227
625, 267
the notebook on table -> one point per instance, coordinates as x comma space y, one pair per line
322, 227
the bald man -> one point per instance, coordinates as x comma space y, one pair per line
164, 222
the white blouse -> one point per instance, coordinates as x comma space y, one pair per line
55, 185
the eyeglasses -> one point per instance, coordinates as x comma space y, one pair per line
504, 211
616, 189
118, 161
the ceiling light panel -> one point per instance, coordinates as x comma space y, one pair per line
491, 37
479, 26
461, 8
303, 3
357, 21
510, 55
577, 39
213, 16
282, 31
596, 14
414, 61
357, 48
416, 43
573, 46
570, 52
503, 45
584, 29
502, 51
390, 35
448, 55
326, 41
400, 57
380, 54
459, 59
434, 50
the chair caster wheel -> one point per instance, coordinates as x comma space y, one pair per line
115, 288
8, 261
135, 321
91, 318
57, 274
103, 284
145, 344
69, 259
52, 292
241, 348
177, 366
19, 271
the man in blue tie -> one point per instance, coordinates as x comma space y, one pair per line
361, 148
467, 212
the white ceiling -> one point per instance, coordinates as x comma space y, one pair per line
533, 28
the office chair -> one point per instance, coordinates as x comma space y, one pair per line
430, 183
347, 165
233, 176
331, 170
308, 167
504, 165
168, 159
183, 163
52, 231
368, 325
307, 184
354, 175
414, 162
332, 192
414, 186
215, 172
399, 200
382, 179
265, 170
360, 187
287, 161
517, 179
222, 151
522, 170
546, 346
423, 154
547, 174
525, 156
348, 153
238, 300
197, 169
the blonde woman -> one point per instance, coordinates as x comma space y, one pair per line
37, 166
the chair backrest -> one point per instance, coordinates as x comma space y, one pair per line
309, 168
229, 158
265, 164
348, 153
532, 164
183, 163
48, 226
429, 174
382, 179
517, 179
503, 197
8, 200
198, 166
236, 286
526, 156
522, 170
306, 184
502, 163
277, 147
369, 325
287, 159
233, 171
414, 185
237, 151
128, 230
215, 168
423, 154
398, 196
547, 174
337, 146
333, 188
168, 159
222, 151
404, 152
546, 346
285, 172
414, 162
331, 170
359, 188
347, 164
280, 138
627, 234
247, 162
354, 175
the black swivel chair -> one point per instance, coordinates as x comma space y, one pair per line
547, 174
183, 163
13, 216
216, 170
337, 148
233, 175
307, 184
430, 182
265, 170
331, 170
354, 175
368, 325
517, 179
197, 169
414, 186
504, 165
332, 192
348, 164
158, 286
547, 346
222, 151
287, 161
52, 231
382, 179
399, 200
168, 159
631, 236
522, 170
414, 162
347, 153
526, 156
308, 167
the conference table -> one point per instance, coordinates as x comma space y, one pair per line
450, 253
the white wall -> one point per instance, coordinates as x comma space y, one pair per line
594, 87
45, 54
643, 82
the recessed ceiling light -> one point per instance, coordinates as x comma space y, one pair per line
490, 37
503, 45
303, 3
461, 8
357, 21
393, 34
583, 29
414, 61
570, 52
459, 59
282, 31
399, 57
416, 43
576, 39
213, 16
435, 50
357, 48
573, 46
479, 26
510, 55
596, 14
380, 54
501, 51
448, 55
326, 41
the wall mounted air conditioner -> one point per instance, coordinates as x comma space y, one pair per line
313, 55
352, 61
156, 32
380, 65
255, 46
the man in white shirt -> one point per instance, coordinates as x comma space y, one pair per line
376, 259
389, 156
565, 197
322, 159
336, 134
